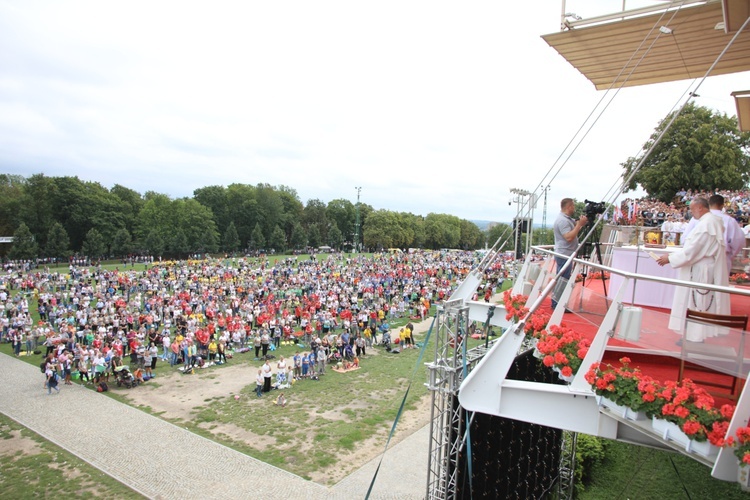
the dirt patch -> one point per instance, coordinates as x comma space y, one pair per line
178, 397
19, 445
237, 433
372, 447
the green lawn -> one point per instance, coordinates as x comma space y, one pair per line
637, 472
329, 418
32, 467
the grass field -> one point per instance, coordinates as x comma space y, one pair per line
32, 467
324, 426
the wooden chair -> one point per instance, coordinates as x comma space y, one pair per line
694, 352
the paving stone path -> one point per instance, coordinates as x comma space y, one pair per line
163, 461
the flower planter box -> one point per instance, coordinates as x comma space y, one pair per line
672, 432
743, 477
622, 411
563, 377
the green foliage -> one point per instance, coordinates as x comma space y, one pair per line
471, 236
154, 223
257, 241
94, 244
543, 236
35, 207
298, 239
702, 150
278, 240
24, 246
590, 451
442, 231
154, 243
343, 213
231, 238
122, 244
314, 215
502, 232
58, 243
630, 471
179, 245
11, 194
313, 236
335, 238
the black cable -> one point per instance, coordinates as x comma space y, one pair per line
635, 473
682, 483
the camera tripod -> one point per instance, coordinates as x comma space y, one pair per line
586, 254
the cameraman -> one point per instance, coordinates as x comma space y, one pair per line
566, 231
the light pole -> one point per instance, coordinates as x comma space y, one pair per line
520, 195
356, 221
544, 214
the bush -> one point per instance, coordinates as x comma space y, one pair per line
590, 451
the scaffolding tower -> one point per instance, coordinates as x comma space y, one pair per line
447, 418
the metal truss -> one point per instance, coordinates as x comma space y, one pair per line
566, 484
448, 418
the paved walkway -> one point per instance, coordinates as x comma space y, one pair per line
161, 460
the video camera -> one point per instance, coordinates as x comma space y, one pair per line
592, 209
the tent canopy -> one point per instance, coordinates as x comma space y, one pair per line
661, 47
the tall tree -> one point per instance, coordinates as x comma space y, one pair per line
270, 208
702, 150
131, 201
298, 240
315, 215
94, 245
381, 229
231, 239
257, 240
24, 246
471, 236
58, 243
179, 246
215, 198
313, 236
343, 213
502, 232
335, 238
442, 231
11, 194
243, 210
293, 209
36, 207
154, 243
122, 244
278, 240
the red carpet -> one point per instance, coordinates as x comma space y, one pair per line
656, 351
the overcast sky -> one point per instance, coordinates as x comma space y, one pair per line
428, 106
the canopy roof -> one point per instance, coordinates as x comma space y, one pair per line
634, 51
742, 99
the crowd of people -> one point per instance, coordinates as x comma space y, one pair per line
92, 321
675, 214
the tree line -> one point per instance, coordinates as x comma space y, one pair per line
56, 217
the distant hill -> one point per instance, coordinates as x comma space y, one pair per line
484, 225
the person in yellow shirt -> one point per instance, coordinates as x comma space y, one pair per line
212, 349
368, 336
407, 338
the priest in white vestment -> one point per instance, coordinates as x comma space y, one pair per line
703, 260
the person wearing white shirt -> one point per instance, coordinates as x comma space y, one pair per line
701, 260
734, 237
